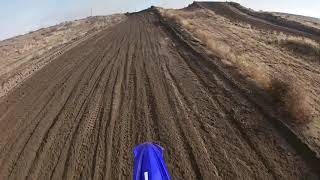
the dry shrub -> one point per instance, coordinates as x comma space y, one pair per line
219, 47
290, 96
301, 47
257, 72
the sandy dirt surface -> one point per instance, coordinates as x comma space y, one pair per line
21, 56
81, 116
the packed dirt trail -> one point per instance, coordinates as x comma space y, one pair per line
81, 116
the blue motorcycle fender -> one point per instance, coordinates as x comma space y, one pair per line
149, 163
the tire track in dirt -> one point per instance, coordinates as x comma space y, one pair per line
177, 94
155, 92
205, 168
100, 137
36, 127
59, 111
195, 109
232, 122
114, 115
37, 102
76, 128
74, 134
152, 114
123, 122
205, 80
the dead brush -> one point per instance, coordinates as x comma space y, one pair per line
288, 95
291, 98
257, 73
300, 45
220, 48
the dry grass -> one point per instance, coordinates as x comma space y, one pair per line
299, 45
291, 98
220, 48
288, 95
256, 72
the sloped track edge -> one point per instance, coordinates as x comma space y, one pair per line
256, 96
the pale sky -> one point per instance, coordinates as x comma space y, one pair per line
21, 16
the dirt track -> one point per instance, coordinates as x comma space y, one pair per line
81, 115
